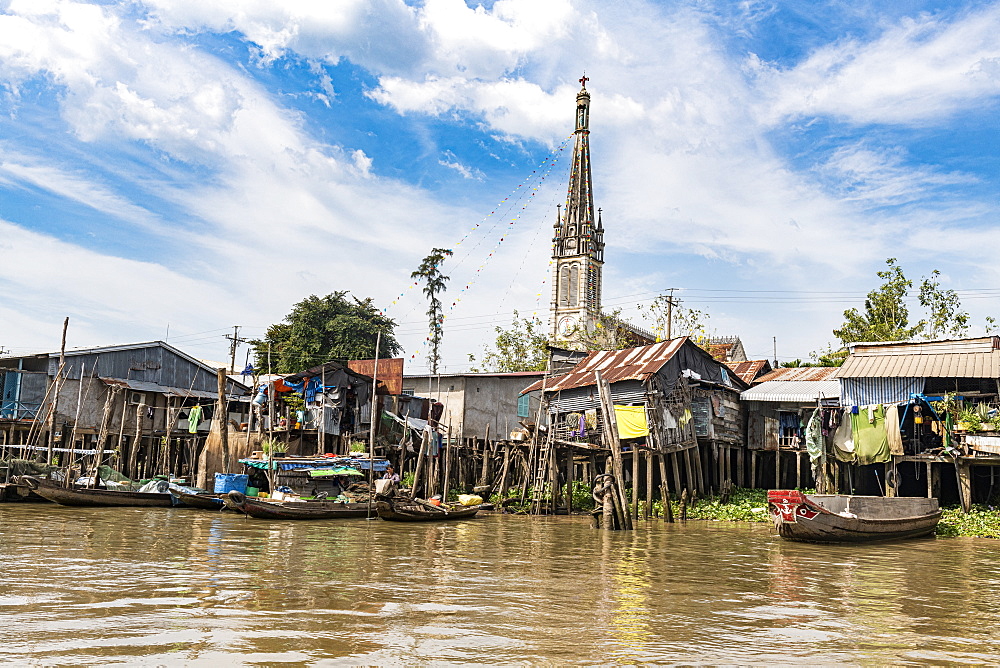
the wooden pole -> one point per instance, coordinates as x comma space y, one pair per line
668, 513
484, 473
447, 465
649, 485
76, 423
425, 437
55, 399
102, 435
506, 470
611, 438
372, 425
569, 479
635, 483
223, 414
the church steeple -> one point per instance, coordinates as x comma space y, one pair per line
578, 244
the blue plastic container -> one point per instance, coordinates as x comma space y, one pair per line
227, 482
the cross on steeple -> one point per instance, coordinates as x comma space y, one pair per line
583, 80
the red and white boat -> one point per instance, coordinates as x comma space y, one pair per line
842, 518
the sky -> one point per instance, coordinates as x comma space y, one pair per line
172, 168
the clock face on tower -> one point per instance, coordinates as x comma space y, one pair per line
566, 325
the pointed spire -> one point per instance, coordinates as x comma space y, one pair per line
578, 219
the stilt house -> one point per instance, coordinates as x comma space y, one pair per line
671, 398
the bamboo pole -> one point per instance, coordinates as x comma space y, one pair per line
55, 399
102, 435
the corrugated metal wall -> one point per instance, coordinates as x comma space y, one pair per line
152, 365
867, 391
580, 399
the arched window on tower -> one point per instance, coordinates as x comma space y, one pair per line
564, 287
574, 286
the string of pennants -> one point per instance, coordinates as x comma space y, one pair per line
525, 191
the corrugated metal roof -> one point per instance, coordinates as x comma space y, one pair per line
615, 365
143, 386
944, 365
800, 373
792, 391
983, 344
747, 370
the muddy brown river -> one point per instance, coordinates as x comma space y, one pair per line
199, 588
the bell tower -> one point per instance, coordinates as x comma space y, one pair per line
578, 241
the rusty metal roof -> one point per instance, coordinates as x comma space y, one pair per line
800, 373
748, 370
615, 365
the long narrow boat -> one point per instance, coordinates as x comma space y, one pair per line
296, 510
418, 510
84, 496
203, 501
842, 518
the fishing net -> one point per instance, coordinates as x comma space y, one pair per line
26, 467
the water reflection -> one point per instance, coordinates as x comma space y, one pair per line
174, 586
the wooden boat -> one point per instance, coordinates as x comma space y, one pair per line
204, 501
398, 509
296, 510
842, 518
84, 496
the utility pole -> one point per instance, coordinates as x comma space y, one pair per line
670, 315
234, 342
3, 351
775, 339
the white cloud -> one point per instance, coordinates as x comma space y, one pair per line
879, 177
918, 71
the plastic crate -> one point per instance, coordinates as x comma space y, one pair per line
227, 482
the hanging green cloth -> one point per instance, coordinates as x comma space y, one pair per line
871, 441
814, 436
194, 417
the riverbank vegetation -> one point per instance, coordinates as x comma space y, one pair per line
750, 505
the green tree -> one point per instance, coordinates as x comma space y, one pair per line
610, 332
885, 317
434, 282
521, 347
321, 329
669, 318
945, 316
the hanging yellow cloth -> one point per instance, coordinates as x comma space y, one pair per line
631, 421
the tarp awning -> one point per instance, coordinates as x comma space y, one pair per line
792, 391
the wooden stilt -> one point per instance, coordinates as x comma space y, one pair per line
689, 468
676, 466
753, 469
569, 480
741, 466
648, 460
964, 485
664, 492
701, 483
635, 483
798, 469
777, 469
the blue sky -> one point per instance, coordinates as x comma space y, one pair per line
201, 165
